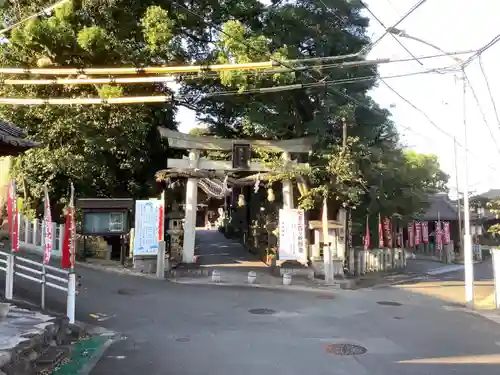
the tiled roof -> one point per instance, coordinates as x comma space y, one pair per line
13, 136
442, 206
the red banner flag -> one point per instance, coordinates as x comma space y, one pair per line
425, 232
380, 233
387, 232
439, 236
399, 237
69, 240
418, 233
411, 236
13, 216
367, 243
446, 233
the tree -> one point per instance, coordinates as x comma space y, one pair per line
104, 150
373, 172
115, 151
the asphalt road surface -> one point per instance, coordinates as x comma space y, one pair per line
189, 330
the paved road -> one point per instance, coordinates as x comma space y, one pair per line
190, 330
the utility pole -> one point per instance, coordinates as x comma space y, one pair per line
459, 204
344, 134
468, 259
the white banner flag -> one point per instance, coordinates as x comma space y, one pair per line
47, 236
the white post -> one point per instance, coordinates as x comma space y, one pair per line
42, 303
71, 300
190, 211
327, 249
496, 275
61, 237
468, 260
35, 230
9, 277
26, 229
287, 185
54, 232
160, 261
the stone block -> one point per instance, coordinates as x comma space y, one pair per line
145, 264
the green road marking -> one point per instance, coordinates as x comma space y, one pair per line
81, 354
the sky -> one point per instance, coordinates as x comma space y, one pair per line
452, 25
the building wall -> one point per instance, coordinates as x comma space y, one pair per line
5, 167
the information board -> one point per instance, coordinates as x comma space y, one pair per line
147, 227
292, 245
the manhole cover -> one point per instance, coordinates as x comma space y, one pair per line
261, 311
182, 339
345, 349
325, 297
389, 303
127, 292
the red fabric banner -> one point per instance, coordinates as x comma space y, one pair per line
69, 240
160, 224
425, 232
387, 232
446, 233
418, 233
399, 237
366, 241
411, 235
439, 236
380, 233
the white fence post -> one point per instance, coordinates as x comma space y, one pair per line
9, 277
42, 303
35, 230
54, 234
61, 237
26, 229
71, 301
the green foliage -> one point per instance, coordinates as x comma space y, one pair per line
103, 150
115, 150
493, 206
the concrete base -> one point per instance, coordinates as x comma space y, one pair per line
319, 267
296, 269
145, 264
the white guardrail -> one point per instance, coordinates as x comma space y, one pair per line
44, 275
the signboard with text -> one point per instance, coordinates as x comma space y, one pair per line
148, 214
292, 245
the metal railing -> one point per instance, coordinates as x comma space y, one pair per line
44, 275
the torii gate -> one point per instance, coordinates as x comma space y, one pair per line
195, 144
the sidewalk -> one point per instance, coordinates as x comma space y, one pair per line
450, 286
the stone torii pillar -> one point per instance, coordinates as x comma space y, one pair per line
190, 211
287, 184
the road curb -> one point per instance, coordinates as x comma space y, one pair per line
490, 315
89, 366
282, 288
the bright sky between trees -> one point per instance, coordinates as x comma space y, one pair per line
452, 25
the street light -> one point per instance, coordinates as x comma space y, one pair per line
468, 259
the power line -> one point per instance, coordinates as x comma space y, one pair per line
481, 50
405, 16
415, 7
323, 83
481, 111
493, 103
40, 13
429, 120
392, 35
